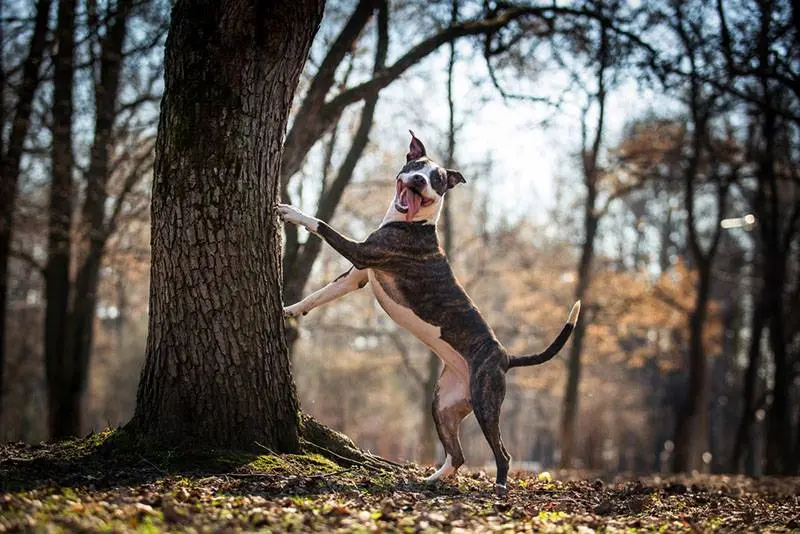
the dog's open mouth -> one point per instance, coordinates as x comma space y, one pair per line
408, 200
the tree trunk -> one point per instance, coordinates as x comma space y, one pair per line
217, 370
428, 436
772, 218
569, 411
742, 443
591, 220
10, 166
776, 251
62, 421
93, 233
796, 466
690, 428
779, 420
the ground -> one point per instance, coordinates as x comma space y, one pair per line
95, 484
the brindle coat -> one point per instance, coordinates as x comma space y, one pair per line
414, 283
412, 257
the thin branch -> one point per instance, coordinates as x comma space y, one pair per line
29, 260
403, 350
309, 127
619, 193
661, 295
142, 164
302, 260
516, 96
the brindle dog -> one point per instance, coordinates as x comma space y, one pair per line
413, 282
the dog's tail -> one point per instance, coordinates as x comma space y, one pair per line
555, 346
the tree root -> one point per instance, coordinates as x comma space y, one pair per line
316, 437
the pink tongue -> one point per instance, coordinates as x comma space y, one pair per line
414, 202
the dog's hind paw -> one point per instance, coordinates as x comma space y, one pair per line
445, 471
500, 490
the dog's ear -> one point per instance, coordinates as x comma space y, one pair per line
416, 149
454, 178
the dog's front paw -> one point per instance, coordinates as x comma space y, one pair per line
291, 214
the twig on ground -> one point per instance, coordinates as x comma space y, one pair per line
266, 448
151, 464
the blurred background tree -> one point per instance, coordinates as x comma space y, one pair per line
642, 156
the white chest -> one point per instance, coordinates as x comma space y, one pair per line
429, 334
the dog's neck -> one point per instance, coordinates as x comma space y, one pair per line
429, 217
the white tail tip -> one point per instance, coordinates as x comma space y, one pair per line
573, 315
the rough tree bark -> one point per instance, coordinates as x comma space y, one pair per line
62, 407
217, 370
12, 157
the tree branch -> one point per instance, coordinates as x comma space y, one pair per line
403, 350
308, 128
298, 265
661, 295
314, 100
141, 165
28, 259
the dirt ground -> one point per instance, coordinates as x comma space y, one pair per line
87, 485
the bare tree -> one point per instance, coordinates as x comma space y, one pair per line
62, 408
318, 113
590, 152
94, 225
599, 197
299, 260
12, 155
428, 435
690, 436
779, 223
759, 54
72, 273
217, 369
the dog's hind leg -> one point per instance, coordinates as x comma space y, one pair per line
450, 406
488, 387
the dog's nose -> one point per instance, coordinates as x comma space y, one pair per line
417, 182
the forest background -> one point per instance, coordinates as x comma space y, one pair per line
639, 156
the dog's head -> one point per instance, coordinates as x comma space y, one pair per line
421, 185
